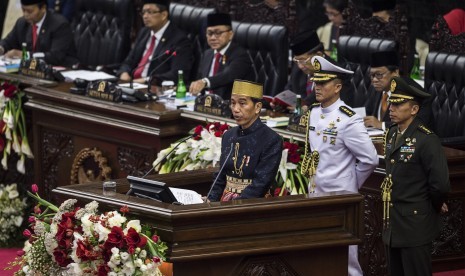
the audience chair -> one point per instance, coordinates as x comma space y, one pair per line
445, 81
193, 21
354, 54
268, 47
102, 31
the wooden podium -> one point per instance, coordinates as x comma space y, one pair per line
292, 235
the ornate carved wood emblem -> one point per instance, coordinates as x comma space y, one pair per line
89, 165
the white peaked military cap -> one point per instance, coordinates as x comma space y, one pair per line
326, 71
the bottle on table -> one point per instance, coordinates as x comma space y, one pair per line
334, 50
181, 87
25, 54
415, 73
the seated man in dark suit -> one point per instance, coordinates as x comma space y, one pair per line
161, 49
224, 61
385, 66
305, 46
46, 34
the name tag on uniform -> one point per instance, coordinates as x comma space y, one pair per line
407, 149
311, 128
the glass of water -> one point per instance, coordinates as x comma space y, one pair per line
109, 188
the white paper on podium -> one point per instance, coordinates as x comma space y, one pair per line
185, 196
86, 75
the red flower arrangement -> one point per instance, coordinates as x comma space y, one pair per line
78, 241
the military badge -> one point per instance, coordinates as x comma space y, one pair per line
325, 138
408, 142
332, 140
393, 85
316, 65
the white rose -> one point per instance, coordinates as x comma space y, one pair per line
13, 194
116, 220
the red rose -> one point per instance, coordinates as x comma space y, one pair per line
294, 158
198, 129
286, 145
27, 233
133, 239
155, 238
224, 127
10, 90
218, 133
115, 238
103, 270
124, 209
85, 252
61, 258
34, 188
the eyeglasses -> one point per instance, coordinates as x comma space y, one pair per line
377, 75
216, 33
149, 12
300, 61
332, 14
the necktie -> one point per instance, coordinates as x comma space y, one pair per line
309, 87
384, 105
398, 138
34, 37
144, 59
216, 64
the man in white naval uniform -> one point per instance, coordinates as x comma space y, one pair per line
339, 153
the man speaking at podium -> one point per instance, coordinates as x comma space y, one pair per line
45, 33
161, 49
250, 152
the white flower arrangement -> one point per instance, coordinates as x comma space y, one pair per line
12, 209
13, 135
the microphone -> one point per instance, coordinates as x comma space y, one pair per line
219, 172
167, 52
163, 159
151, 75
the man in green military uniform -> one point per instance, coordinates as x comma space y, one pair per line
415, 187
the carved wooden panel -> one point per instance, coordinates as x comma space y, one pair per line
133, 162
55, 146
371, 253
89, 165
265, 266
450, 240
443, 41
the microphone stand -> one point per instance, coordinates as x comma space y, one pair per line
219, 172
163, 159
131, 76
151, 74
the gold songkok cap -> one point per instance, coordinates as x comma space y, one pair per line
402, 91
326, 71
247, 88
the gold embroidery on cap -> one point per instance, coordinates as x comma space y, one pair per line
393, 85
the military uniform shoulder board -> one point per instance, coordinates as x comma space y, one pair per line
349, 112
424, 129
314, 105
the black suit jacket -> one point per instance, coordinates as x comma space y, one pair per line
235, 64
55, 40
420, 183
173, 40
